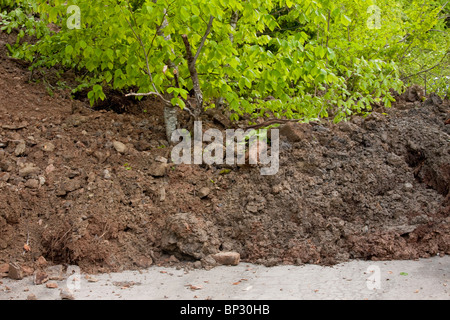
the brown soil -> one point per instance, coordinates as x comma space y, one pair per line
374, 188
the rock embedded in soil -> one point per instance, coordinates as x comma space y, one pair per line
161, 159
71, 185
227, 258
106, 174
119, 146
48, 147
295, 132
28, 169
144, 262
204, 192
157, 169
209, 262
190, 235
32, 184
4, 176
252, 208
20, 149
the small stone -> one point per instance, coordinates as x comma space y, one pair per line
4, 176
41, 180
161, 159
27, 271
72, 185
92, 279
227, 258
32, 184
408, 186
157, 169
15, 272
28, 169
119, 146
55, 272
252, 208
100, 156
40, 277
197, 265
162, 195
20, 148
49, 169
31, 296
394, 160
48, 147
144, 262
65, 294
142, 145
277, 189
106, 174
294, 132
52, 285
203, 192
208, 262
41, 261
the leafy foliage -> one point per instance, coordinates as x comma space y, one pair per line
286, 58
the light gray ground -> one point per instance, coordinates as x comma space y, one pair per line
420, 279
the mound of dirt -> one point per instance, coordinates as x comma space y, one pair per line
92, 188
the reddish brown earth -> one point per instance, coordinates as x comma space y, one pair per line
374, 188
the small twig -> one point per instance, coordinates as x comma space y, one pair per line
202, 43
426, 70
145, 52
149, 94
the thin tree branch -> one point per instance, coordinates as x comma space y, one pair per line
202, 43
426, 70
145, 55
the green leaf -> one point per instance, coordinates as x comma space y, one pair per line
69, 49
345, 20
